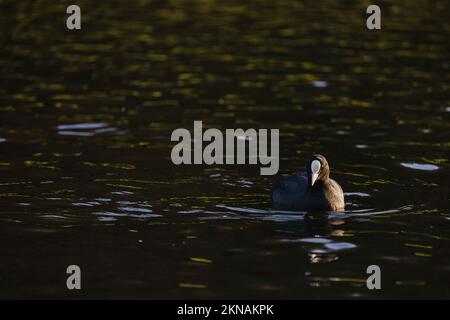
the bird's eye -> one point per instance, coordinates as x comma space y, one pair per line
315, 166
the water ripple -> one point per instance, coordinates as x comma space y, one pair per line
420, 166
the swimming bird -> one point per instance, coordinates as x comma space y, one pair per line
310, 191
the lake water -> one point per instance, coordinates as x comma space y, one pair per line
85, 170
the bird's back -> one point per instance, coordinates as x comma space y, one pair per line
288, 190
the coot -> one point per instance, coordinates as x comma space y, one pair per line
310, 191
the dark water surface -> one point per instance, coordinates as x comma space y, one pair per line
85, 170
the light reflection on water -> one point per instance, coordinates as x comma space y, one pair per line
85, 173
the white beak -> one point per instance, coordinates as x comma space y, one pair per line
314, 177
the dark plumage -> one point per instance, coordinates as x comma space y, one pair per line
310, 191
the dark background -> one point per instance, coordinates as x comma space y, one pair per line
85, 170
